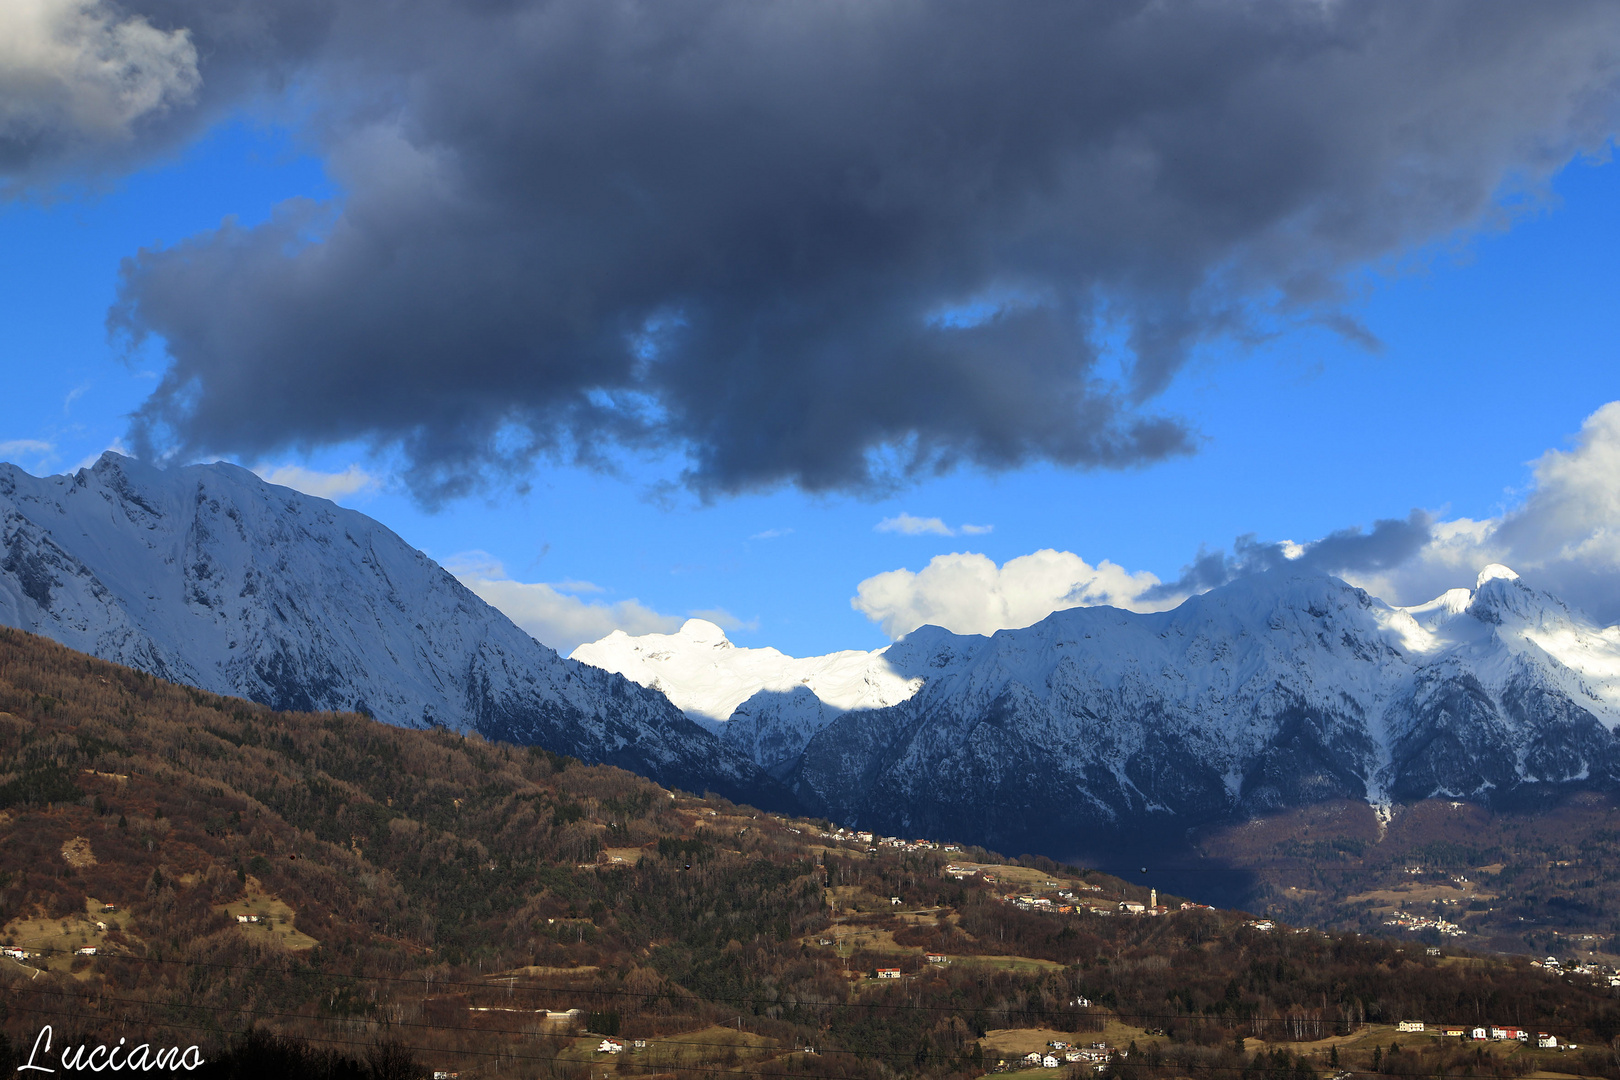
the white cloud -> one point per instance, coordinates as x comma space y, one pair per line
552, 616
908, 525
1564, 536
79, 70
116, 446
18, 447
725, 620
322, 485
770, 534
969, 594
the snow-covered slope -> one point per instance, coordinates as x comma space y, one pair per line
707, 676
761, 701
1277, 689
209, 576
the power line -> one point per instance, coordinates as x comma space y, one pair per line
255, 1013
1123, 1012
510, 1054
652, 1069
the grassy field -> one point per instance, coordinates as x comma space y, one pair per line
275, 919
1008, 963
57, 939
718, 1046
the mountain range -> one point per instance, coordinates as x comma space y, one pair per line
1094, 730
1097, 728
209, 576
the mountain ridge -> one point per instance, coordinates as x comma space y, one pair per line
1093, 730
1281, 688
210, 576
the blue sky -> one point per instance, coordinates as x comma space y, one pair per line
1497, 341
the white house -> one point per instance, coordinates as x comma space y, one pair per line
610, 1046
1409, 1025
888, 973
1050, 1061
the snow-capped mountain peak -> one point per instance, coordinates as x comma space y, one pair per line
708, 677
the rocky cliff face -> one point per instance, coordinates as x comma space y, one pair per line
209, 576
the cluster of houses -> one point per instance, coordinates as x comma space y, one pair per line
1068, 904
1490, 1033
1591, 971
16, 953
871, 841
1058, 1053
617, 1046
895, 973
1406, 921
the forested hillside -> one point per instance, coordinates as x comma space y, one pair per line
315, 893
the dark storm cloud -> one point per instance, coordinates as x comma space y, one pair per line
1390, 543
827, 243
93, 88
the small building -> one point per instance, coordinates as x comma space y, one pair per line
1050, 1061
1433, 950
610, 1046
1032, 1058
1479, 1034
441, 1074
1546, 1041
1451, 1031
888, 973
895, 900
936, 958
1409, 1025
639, 1044
87, 950
1132, 907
